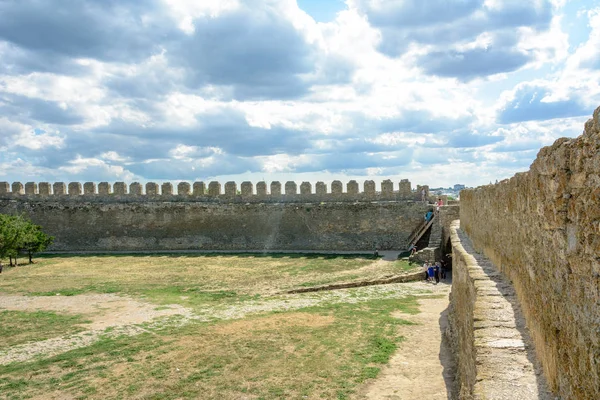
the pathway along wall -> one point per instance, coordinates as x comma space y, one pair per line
542, 229
104, 221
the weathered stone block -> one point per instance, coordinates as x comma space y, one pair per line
369, 188
214, 189
104, 189
261, 189
275, 188
120, 188
247, 189
31, 188
305, 188
321, 188
166, 189
387, 187
45, 189
18, 188
75, 189
230, 189
184, 189
136, 189
199, 189
352, 187
89, 188
291, 188
59, 188
405, 189
152, 189
337, 187
4, 188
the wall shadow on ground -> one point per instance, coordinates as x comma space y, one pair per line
445, 354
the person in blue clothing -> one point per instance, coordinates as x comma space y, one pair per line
436, 272
428, 215
430, 272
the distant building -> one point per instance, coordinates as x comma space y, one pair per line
459, 187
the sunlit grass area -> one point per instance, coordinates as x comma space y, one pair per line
313, 350
321, 352
190, 279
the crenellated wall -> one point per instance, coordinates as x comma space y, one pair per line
212, 192
213, 216
542, 229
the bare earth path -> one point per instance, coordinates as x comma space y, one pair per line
421, 368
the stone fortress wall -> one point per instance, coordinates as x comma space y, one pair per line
122, 217
212, 192
541, 228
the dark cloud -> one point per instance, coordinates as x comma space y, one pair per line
151, 84
109, 30
31, 110
19, 61
445, 24
227, 130
255, 51
415, 121
465, 139
526, 145
416, 13
471, 64
334, 163
223, 164
516, 13
528, 106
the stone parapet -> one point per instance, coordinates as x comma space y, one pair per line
542, 229
31, 188
487, 333
198, 191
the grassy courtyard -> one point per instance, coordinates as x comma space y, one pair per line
240, 337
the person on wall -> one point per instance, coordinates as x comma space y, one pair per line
428, 216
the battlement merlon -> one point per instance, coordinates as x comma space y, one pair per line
291, 191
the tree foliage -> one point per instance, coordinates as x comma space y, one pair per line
18, 235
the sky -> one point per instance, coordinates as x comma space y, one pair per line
436, 91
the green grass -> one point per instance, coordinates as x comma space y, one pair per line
322, 352
17, 327
317, 352
189, 280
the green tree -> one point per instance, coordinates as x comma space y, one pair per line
34, 240
18, 234
9, 236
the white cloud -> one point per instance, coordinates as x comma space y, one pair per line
274, 93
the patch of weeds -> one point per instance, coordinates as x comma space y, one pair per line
17, 327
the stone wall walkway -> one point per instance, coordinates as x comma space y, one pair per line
504, 358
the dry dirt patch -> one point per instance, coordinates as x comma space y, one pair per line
103, 310
297, 319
